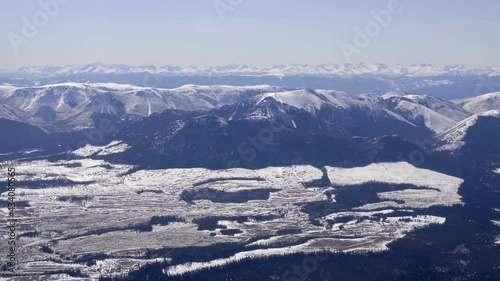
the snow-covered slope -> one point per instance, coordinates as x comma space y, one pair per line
112, 148
418, 110
302, 99
455, 138
346, 112
313, 100
425, 112
440, 106
479, 104
433, 113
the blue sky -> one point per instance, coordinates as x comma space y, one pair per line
254, 32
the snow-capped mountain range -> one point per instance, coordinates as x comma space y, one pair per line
73, 106
414, 70
446, 82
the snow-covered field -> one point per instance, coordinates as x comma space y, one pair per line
111, 148
89, 209
444, 188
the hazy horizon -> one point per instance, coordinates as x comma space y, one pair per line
258, 33
249, 65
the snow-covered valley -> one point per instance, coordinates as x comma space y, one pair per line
85, 210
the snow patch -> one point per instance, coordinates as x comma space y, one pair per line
402, 173
112, 148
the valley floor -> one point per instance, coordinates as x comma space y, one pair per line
87, 218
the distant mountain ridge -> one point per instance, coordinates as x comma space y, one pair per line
412, 70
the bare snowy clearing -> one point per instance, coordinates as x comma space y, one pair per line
444, 188
93, 210
111, 148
